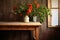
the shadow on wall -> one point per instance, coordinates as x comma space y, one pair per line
50, 34
15, 35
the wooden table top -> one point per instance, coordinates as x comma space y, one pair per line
20, 23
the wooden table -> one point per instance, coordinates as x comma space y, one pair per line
34, 26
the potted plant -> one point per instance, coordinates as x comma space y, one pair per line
41, 12
23, 10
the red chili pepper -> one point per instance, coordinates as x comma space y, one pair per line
29, 9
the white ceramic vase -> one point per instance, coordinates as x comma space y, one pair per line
34, 18
26, 18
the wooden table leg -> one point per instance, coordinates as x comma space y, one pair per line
34, 36
36, 33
